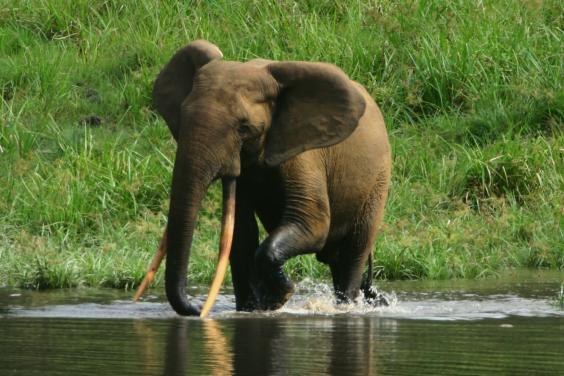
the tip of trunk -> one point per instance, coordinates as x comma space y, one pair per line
179, 301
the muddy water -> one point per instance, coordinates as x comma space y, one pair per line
502, 326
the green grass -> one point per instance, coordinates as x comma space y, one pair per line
471, 91
558, 300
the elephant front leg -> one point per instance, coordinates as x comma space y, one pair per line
245, 242
302, 228
270, 284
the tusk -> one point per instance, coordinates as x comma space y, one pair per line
226, 239
161, 253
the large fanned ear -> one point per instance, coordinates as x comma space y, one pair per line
174, 82
317, 106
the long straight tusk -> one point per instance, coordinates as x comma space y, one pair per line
226, 239
161, 253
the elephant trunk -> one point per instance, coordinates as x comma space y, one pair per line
183, 215
189, 185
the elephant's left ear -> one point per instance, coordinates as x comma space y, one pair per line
317, 106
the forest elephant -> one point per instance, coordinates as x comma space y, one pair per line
298, 145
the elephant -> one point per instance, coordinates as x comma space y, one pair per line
309, 152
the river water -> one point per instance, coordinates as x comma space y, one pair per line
508, 326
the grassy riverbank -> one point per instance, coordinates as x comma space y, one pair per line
472, 94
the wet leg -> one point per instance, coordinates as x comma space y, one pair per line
348, 267
271, 286
356, 251
302, 228
245, 242
347, 276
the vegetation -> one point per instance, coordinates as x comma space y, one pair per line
471, 91
558, 300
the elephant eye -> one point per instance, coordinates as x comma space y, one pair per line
244, 128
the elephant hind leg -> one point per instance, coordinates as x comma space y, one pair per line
355, 251
346, 271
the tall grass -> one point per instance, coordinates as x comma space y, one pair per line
471, 91
558, 300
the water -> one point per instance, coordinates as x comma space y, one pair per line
503, 326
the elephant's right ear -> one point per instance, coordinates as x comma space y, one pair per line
174, 82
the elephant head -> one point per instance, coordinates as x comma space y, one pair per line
221, 112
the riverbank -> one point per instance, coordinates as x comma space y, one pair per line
473, 103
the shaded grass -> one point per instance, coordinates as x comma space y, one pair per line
473, 101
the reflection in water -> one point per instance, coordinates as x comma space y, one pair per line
464, 329
280, 345
248, 346
147, 337
176, 349
217, 347
352, 347
259, 357
363, 346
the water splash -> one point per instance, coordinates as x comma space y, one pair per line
319, 299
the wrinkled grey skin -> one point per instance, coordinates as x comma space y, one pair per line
310, 152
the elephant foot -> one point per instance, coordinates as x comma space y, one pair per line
370, 296
248, 306
375, 298
273, 291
